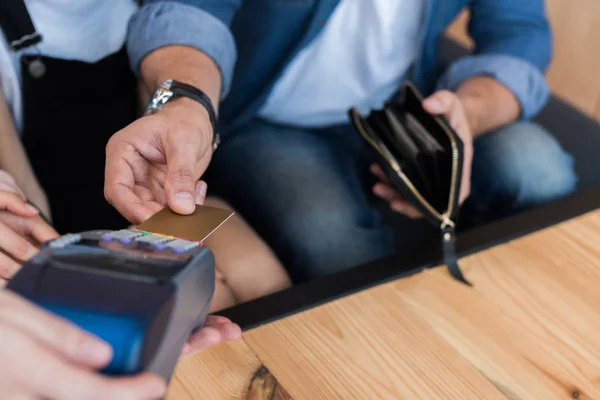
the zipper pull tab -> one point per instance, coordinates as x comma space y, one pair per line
449, 250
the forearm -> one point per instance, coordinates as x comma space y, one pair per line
184, 64
488, 104
13, 158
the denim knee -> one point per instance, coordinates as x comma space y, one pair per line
332, 238
519, 166
304, 193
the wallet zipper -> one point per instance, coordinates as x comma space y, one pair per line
446, 221
447, 226
444, 218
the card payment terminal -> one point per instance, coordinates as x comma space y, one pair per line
142, 293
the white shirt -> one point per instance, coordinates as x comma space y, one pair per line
359, 59
82, 30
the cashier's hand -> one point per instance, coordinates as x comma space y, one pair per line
21, 228
45, 357
217, 330
158, 160
449, 105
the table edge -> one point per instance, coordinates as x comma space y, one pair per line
308, 295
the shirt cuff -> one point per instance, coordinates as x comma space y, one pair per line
522, 78
157, 25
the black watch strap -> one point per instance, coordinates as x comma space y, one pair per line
185, 90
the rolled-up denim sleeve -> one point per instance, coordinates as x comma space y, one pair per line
513, 44
162, 23
523, 79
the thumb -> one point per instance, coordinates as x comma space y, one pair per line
180, 184
439, 103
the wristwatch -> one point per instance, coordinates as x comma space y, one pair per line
173, 89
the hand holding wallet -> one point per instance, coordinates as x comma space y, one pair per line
422, 157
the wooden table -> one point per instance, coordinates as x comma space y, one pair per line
529, 328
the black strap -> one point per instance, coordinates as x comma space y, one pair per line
17, 25
450, 258
183, 89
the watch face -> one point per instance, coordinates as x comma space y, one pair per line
160, 97
163, 95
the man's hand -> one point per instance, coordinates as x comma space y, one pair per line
216, 330
45, 357
450, 106
480, 105
21, 234
36, 194
158, 160
21, 228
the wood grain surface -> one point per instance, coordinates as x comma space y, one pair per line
229, 371
370, 345
527, 329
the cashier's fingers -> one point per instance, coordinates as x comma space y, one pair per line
8, 267
14, 245
203, 339
39, 230
14, 203
8, 184
228, 330
51, 332
216, 330
35, 227
76, 383
40, 372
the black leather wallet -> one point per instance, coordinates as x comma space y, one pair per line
422, 157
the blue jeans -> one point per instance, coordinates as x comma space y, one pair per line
307, 192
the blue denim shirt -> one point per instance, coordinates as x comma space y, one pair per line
252, 41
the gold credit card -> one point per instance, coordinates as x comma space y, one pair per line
195, 227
